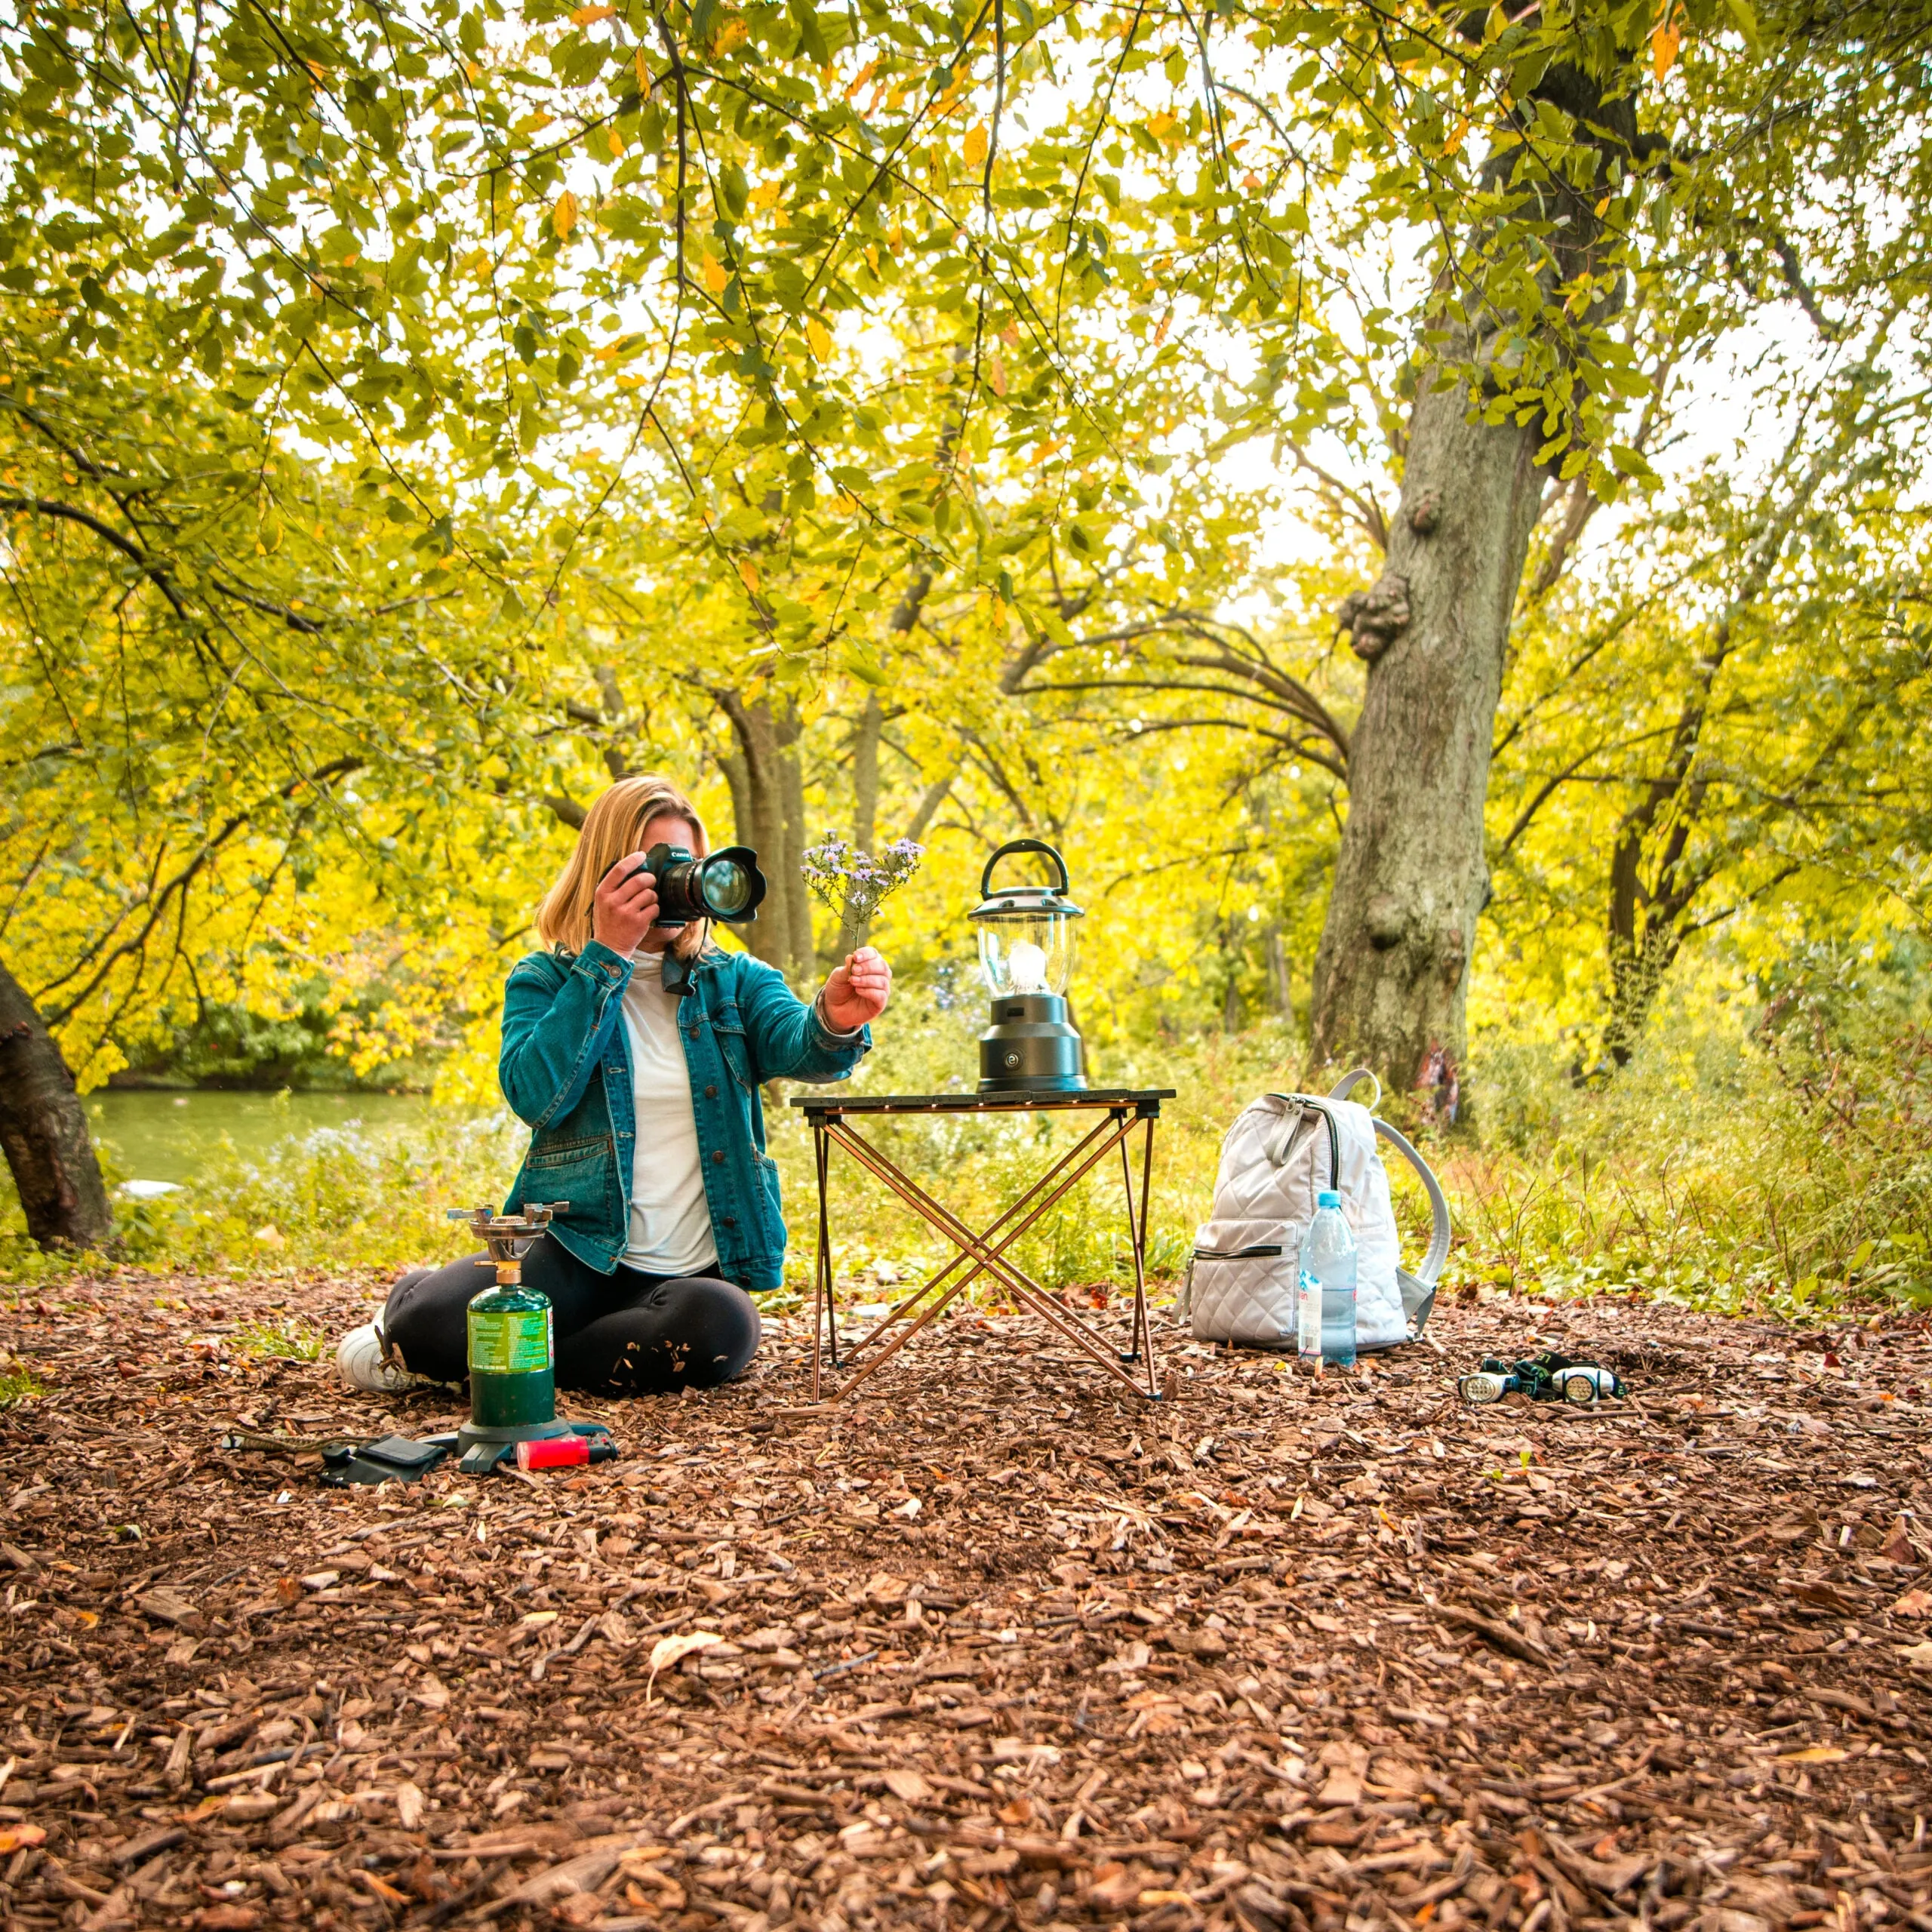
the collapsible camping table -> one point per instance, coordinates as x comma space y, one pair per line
1122, 1109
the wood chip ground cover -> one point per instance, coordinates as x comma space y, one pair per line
999, 1645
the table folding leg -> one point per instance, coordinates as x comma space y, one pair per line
986, 1253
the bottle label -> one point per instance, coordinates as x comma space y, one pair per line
512, 1343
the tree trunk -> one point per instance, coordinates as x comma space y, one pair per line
1643, 945
768, 806
854, 926
1280, 991
1391, 972
44, 1131
803, 956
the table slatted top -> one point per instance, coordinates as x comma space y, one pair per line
1144, 1100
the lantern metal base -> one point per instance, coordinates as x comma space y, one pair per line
483, 1449
1031, 1048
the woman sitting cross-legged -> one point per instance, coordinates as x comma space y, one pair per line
635, 1051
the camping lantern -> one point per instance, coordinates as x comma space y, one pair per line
1027, 954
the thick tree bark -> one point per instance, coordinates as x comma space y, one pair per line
1391, 972
44, 1131
768, 804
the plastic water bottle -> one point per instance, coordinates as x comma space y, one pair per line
1326, 1318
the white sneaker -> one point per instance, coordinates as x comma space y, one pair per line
363, 1361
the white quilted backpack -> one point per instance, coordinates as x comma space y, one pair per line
1282, 1150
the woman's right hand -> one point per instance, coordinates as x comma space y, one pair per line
624, 907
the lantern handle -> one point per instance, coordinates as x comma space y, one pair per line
1024, 845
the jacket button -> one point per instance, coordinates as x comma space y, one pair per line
710, 1093
717, 1157
730, 1221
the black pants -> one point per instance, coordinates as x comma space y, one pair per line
627, 1334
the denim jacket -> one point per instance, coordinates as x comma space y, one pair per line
565, 1069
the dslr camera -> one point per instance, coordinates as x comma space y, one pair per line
726, 885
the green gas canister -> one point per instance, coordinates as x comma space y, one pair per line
512, 1354
512, 1358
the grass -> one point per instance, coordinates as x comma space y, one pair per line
283, 1341
18, 1384
1725, 1168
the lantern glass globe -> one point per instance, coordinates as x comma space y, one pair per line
1031, 952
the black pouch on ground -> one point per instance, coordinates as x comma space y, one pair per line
393, 1459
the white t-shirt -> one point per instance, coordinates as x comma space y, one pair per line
670, 1228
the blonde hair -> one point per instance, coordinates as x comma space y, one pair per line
612, 826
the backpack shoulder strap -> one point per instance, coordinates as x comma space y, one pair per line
1431, 1270
1350, 1082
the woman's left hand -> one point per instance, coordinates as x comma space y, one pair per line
857, 993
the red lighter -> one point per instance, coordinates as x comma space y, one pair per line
564, 1452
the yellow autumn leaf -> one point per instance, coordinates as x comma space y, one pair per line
731, 34
996, 372
563, 216
715, 275
1664, 42
748, 571
1457, 136
617, 142
643, 73
819, 336
586, 16
767, 193
976, 145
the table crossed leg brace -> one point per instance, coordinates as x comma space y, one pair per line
1052, 1186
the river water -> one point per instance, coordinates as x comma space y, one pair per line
171, 1136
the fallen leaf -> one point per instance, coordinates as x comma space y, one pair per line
1114, 1887
1914, 1603
1814, 1753
668, 1650
18, 1838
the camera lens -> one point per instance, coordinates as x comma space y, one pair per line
727, 886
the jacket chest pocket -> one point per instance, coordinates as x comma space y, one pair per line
728, 1030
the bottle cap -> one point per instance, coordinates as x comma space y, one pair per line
1327, 1198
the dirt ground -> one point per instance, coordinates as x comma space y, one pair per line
1000, 1646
